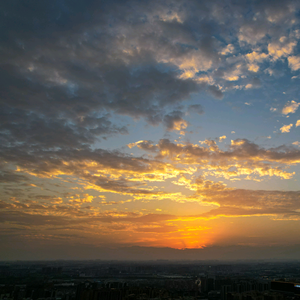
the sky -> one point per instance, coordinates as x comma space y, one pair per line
156, 129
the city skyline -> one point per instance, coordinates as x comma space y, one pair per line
149, 128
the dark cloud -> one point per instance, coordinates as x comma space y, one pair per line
21, 218
242, 202
64, 65
276, 11
196, 108
69, 69
215, 91
174, 121
10, 176
37, 215
240, 149
60, 75
255, 82
241, 158
145, 145
88, 164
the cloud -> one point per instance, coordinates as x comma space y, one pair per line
101, 170
294, 62
229, 49
275, 12
196, 108
10, 176
286, 128
297, 123
252, 32
174, 121
117, 86
254, 83
242, 159
282, 48
242, 202
113, 172
233, 72
215, 91
256, 57
144, 70
290, 107
76, 73
145, 145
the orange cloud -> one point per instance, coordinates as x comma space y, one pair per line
286, 128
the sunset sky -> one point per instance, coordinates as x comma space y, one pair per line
140, 129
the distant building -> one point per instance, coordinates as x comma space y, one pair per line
286, 287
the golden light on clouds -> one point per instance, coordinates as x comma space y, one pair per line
146, 124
